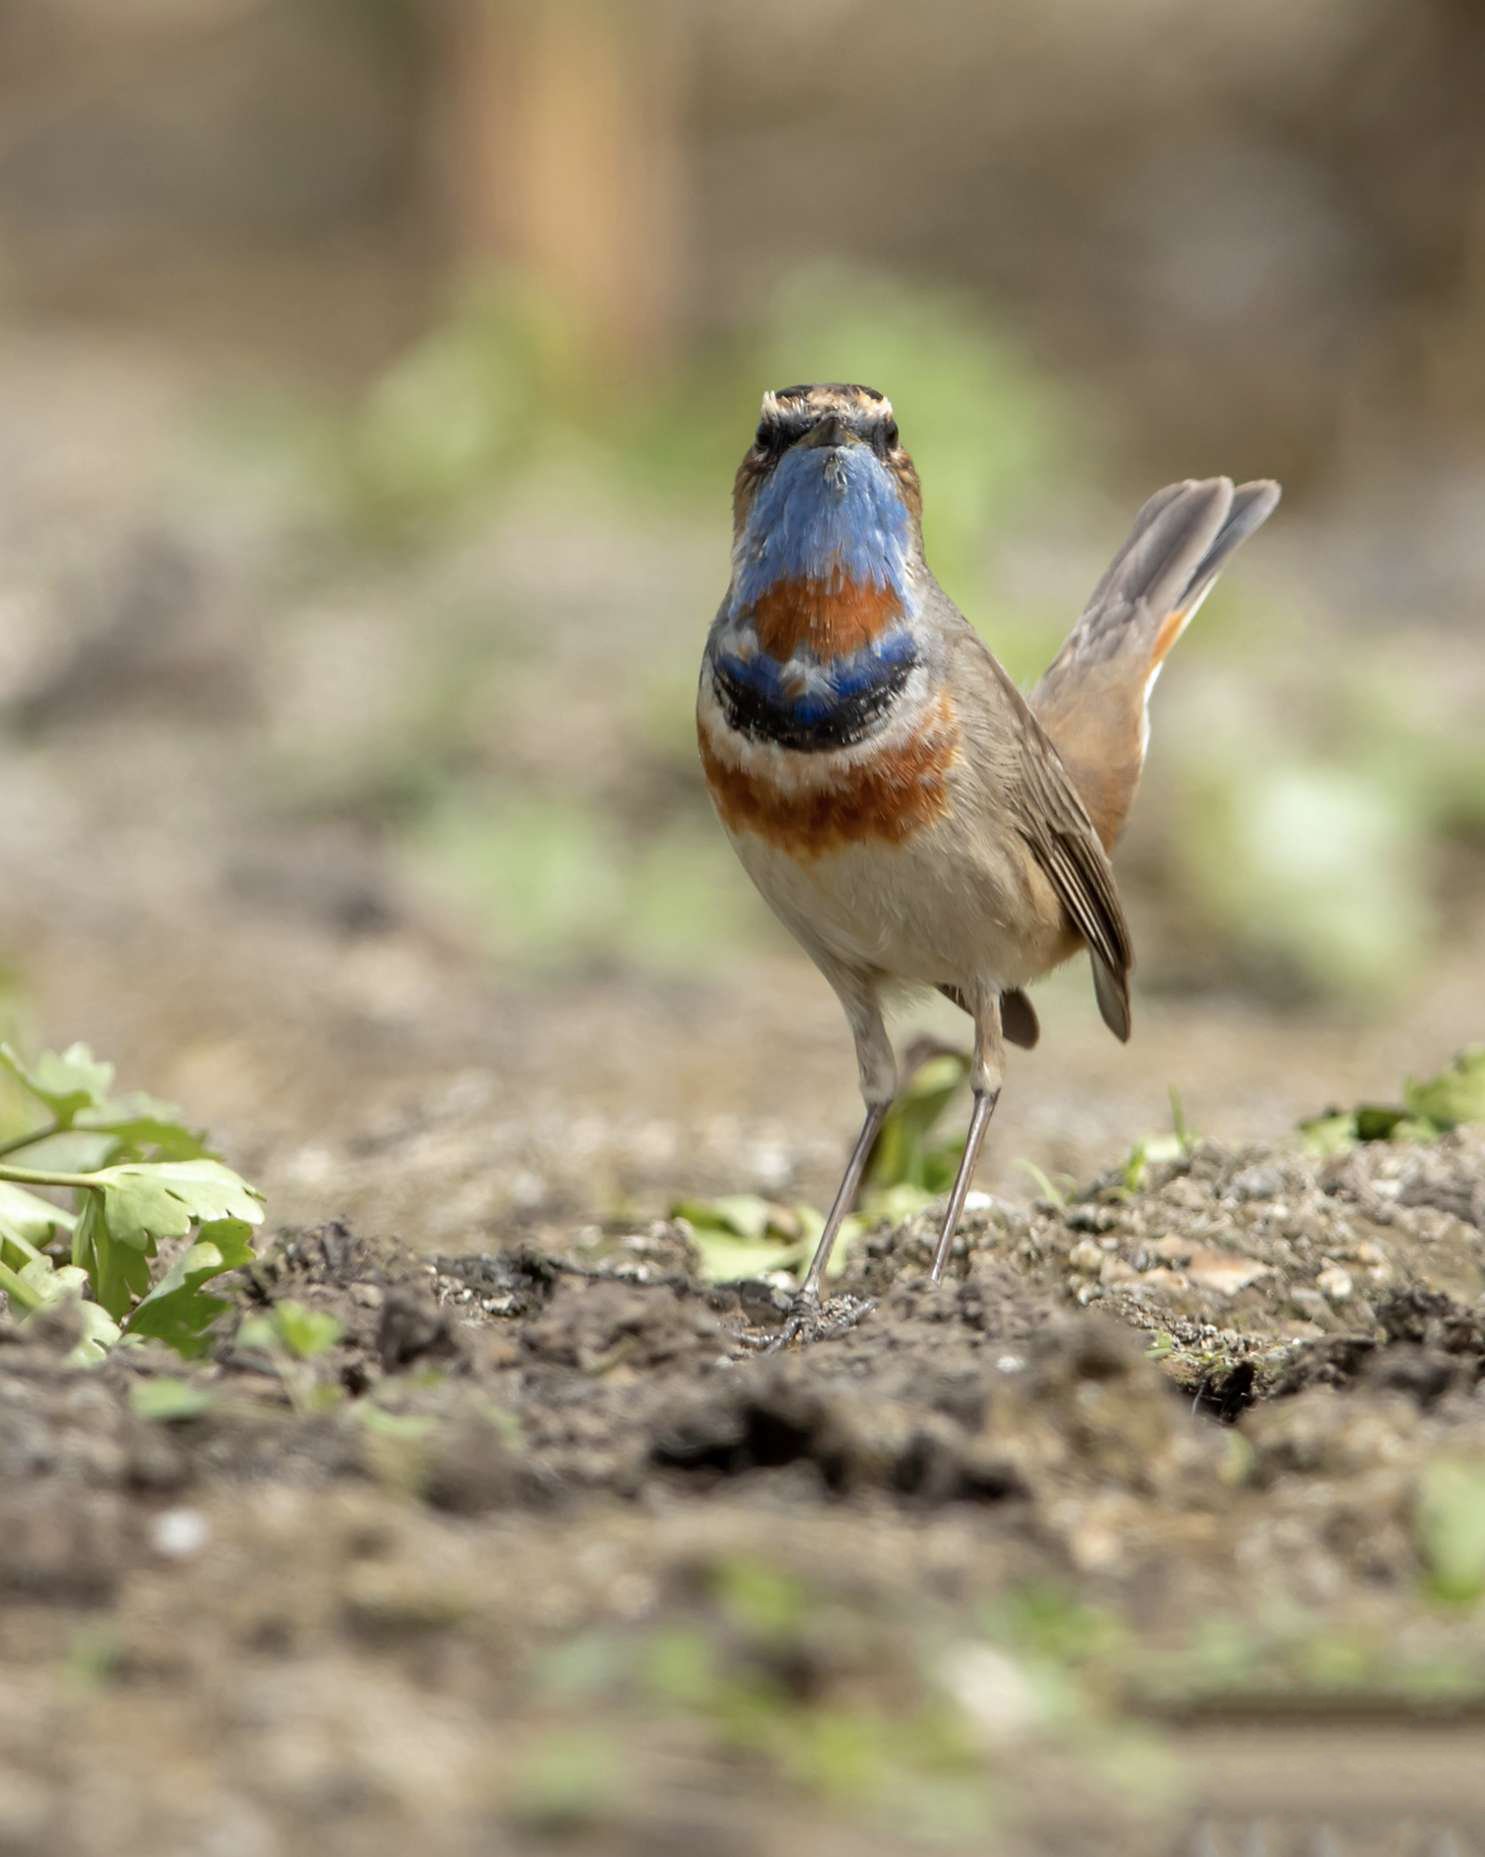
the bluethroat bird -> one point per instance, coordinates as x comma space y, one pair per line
906, 812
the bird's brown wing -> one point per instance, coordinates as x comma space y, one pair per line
1034, 791
1055, 824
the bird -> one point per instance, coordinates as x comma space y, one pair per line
909, 815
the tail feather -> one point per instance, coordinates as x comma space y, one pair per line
1092, 700
1252, 505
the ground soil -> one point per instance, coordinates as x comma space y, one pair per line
1086, 1541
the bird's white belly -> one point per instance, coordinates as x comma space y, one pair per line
923, 912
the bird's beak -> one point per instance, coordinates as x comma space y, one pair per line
827, 431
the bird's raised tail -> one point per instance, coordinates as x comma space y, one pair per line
1093, 701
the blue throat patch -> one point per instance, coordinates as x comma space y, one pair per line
830, 516
836, 518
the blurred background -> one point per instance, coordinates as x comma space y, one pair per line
372, 373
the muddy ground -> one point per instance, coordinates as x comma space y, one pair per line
1139, 1531
1156, 1529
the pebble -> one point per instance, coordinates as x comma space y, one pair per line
1335, 1283
180, 1533
1257, 1183
1222, 1272
996, 1694
1310, 1303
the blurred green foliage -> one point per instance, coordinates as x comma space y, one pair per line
1155, 1150
1311, 869
914, 1718
1450, 1527
500, 388
777, 1672
553, 882
1456, 1095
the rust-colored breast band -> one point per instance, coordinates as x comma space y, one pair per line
831, 621
884, 798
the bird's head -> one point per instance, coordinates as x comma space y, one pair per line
826, 489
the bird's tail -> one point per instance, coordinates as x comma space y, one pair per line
1093, 701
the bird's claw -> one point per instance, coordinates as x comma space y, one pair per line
810, 1320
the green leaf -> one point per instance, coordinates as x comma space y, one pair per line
67, 1082
740, 1235
120, 1272
145, 1200
1450, 1526
1416, 1128
168, 1401
725, 1259
1428, 1109
1376, 1121
292, 1328
1455, 1095
32, 1217
144, 1128
177, 1310
99, 1333
743, 1215
1332, 1133
899, 1202
902, 1154
66, 1284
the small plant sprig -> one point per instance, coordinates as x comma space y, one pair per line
742, 1234
150, 1178
1430, 1108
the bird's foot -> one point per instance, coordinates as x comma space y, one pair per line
810, 1320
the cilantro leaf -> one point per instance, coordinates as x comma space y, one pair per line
143, 1127
120, 1272
30, 1216
55, 1286
67, 1082
146, 1200
178, 1310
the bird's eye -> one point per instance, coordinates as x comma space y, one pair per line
890, 434
766, 435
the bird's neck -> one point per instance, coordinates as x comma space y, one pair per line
815, 643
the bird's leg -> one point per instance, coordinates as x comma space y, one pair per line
878, 1072
985, 1080
845, 1198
